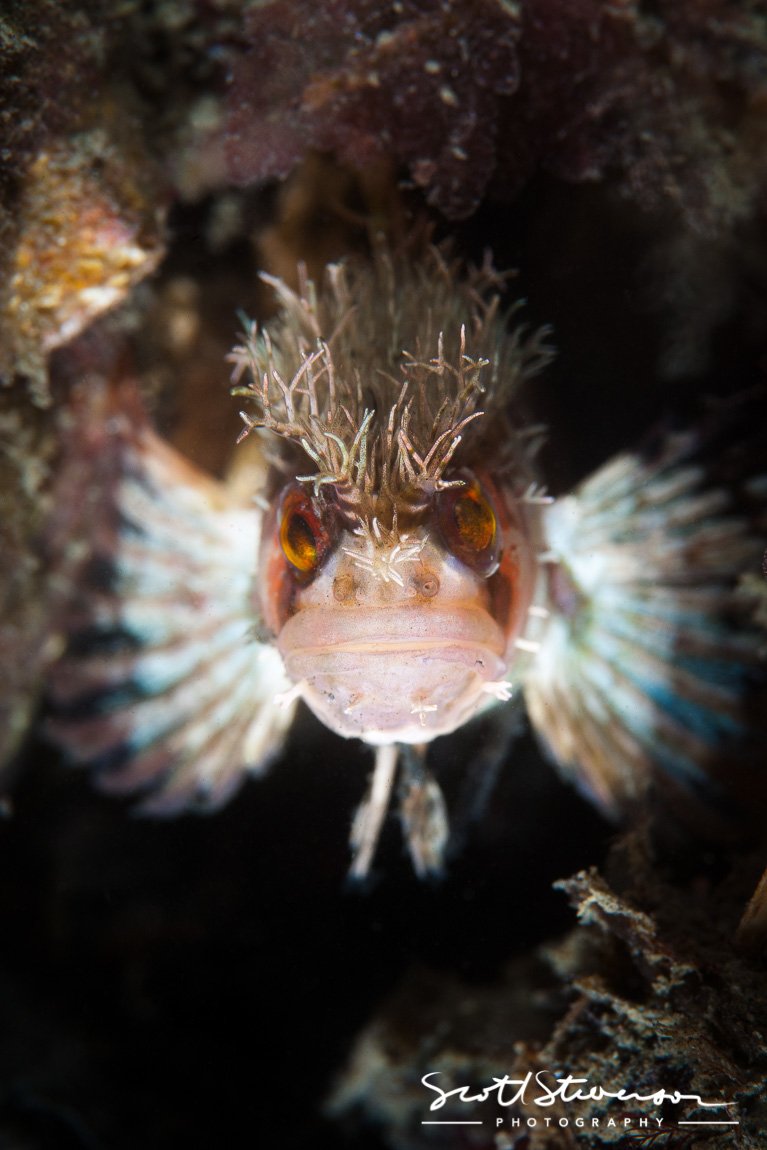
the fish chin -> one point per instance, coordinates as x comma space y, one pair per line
397, 674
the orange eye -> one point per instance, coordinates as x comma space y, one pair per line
469, 525
303, 537
474, 519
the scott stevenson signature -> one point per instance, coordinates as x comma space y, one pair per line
513, 1091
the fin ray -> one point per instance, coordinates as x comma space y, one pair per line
164, 687
650, 663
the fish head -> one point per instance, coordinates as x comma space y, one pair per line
397, 628
395, 573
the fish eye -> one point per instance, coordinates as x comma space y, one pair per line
469, 525
303, 537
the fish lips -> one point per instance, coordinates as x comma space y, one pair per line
393, 674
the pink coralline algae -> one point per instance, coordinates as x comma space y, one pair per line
474, 98
421, 81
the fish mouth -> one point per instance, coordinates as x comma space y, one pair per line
393, 674
367, 630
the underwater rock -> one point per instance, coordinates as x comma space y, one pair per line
86, 235
648, 994
25, 464
420, 83
81, 210
474, 99
81, 225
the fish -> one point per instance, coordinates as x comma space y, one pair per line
394, 562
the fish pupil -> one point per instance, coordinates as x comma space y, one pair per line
468, 523
474, 520
299, 542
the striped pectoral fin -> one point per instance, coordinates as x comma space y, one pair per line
164, 688
649, 668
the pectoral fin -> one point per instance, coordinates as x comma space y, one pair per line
649, 667
165, 687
